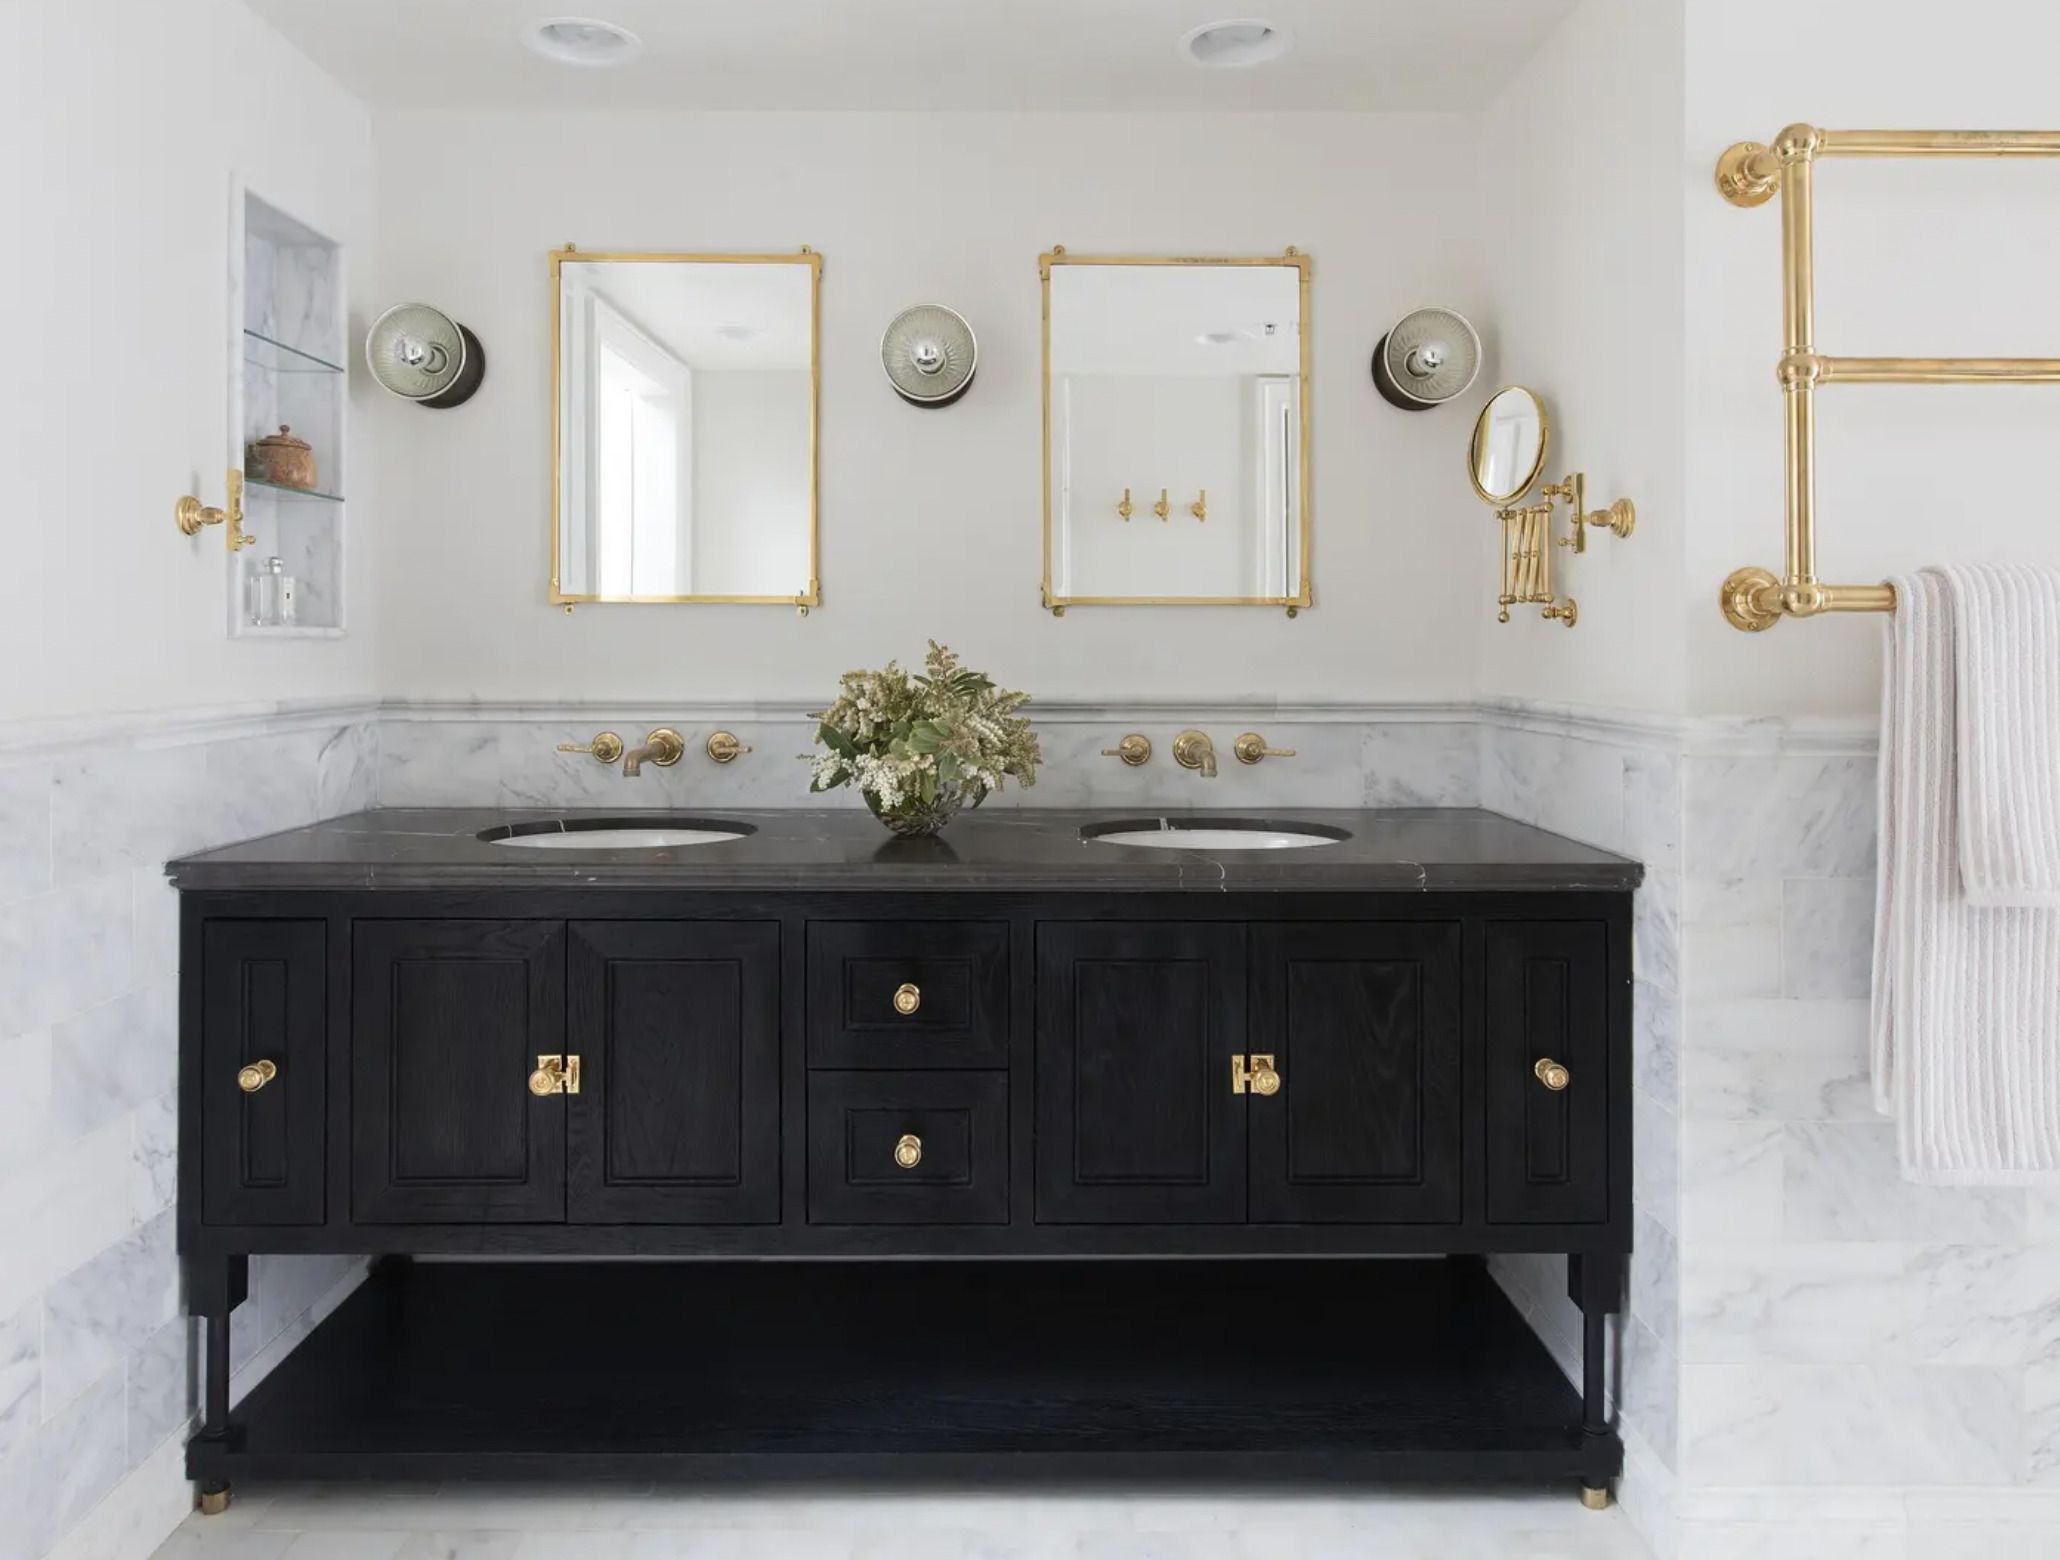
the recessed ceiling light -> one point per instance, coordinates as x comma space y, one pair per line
737, 332
1217, 338
580, 40
1227, 45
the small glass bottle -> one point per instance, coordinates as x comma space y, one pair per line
272, 596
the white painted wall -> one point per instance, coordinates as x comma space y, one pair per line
1952, 258
123, 120
1578, 221
930, 519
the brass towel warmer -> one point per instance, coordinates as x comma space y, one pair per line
1750, 174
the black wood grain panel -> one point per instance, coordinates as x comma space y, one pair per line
264, 998
1136, 1027
855, 1120
1548, 1152
677, 1025
959, 968
1363, 1022
449, 1019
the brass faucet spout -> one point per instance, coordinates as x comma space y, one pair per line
1193, 750
662, 747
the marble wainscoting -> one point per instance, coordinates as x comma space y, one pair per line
434, 755
1868, 1367
1616, 781
98, 1363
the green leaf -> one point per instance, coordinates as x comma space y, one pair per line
833, 739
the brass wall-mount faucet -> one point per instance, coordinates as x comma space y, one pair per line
663, 747
1251, 747
1193, 750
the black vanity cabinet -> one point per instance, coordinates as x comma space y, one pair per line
958, 1123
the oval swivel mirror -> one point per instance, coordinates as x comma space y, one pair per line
1509, 442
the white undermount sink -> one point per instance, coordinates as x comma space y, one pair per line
610, 836
1213, 834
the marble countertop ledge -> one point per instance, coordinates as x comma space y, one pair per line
996, 849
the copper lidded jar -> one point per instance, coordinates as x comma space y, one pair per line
281, 459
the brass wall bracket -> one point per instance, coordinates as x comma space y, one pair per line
192, 516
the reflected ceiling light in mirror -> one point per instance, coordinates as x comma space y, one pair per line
1234, 44
582, 40
737, 332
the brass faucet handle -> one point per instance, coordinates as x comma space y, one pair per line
1134, 750
723, 746
1251, 747
606, 747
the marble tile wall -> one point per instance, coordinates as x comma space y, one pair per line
98, 1363
1866, 1365
1344, 757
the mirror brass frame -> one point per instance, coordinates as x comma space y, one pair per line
1304, 596
1473, 448
813, 595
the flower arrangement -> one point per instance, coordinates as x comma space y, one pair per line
921, 747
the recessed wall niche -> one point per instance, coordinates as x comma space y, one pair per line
288, 369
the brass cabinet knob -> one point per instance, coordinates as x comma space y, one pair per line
907, 998
1550, 1073
1134, 750
255, 1076
606, 747
908, 1151
723, 746
1255, 1074
1251, 747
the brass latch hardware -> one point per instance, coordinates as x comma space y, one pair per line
555, 1075
1552, 1074
1260, 1077
606, 747
1251, 747
1134, 750
907, 998
192, 515
908, 1151
723, 746
254, 1077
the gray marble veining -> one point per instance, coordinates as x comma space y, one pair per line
1409, 849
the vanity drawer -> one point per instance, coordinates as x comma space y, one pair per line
908, 1148
908, 994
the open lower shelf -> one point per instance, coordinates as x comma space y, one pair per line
1399, 1369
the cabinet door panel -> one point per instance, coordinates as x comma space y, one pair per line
448, 1020
264, 999
1363, 1023
1136, 1026
677, 1026
1548, 1151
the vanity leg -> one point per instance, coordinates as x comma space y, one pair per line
1596, 1285
214, 1288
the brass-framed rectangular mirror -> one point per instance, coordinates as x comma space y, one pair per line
685, 402
1176, 430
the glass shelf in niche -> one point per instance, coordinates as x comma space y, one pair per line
314, 494
262, 351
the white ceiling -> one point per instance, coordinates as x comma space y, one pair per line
923, 54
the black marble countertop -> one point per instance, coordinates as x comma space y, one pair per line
995, 848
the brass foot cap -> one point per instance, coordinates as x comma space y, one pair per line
213, 1503
1595, 1499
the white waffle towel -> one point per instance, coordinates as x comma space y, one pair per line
1966, 1015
